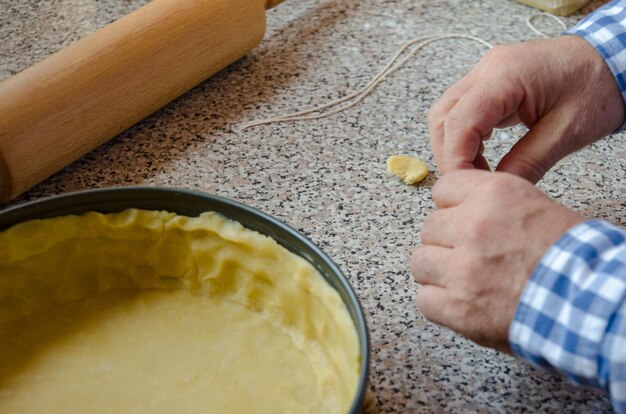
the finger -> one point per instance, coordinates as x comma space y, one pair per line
438, 112
440, 228
537, 151
430, 265
473, 119
435, 304
451, 189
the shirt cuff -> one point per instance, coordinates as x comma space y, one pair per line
572, 315
605, 30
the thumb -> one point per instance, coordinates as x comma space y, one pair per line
545, 144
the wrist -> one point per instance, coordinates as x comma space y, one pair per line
601, 32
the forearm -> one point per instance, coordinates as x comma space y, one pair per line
572, 312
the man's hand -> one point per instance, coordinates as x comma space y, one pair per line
560, 88
480, 247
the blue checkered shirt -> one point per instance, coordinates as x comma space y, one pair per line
572, 312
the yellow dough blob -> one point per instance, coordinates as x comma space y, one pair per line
151, 312
409, 169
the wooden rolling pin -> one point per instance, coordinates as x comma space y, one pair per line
75, 100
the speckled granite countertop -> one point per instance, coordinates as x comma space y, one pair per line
327, 178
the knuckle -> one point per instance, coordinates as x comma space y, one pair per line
500, 184
475, 232
422, 266
438, 189
431, 220
464, 314
457, 125
429, 229
451, 120
470, 272
435, 113
416, 261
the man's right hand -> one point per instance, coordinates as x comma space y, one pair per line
560, 88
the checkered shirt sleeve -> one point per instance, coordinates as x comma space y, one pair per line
572, 313
605, 29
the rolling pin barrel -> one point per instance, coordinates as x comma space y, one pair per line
66, 105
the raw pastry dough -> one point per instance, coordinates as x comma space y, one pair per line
409, 169
145, 311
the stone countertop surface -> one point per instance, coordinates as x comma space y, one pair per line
327, 178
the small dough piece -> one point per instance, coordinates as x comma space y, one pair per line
409, 169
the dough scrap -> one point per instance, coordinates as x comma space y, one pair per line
410, 169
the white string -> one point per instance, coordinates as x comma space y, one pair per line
395, 63
532, 17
